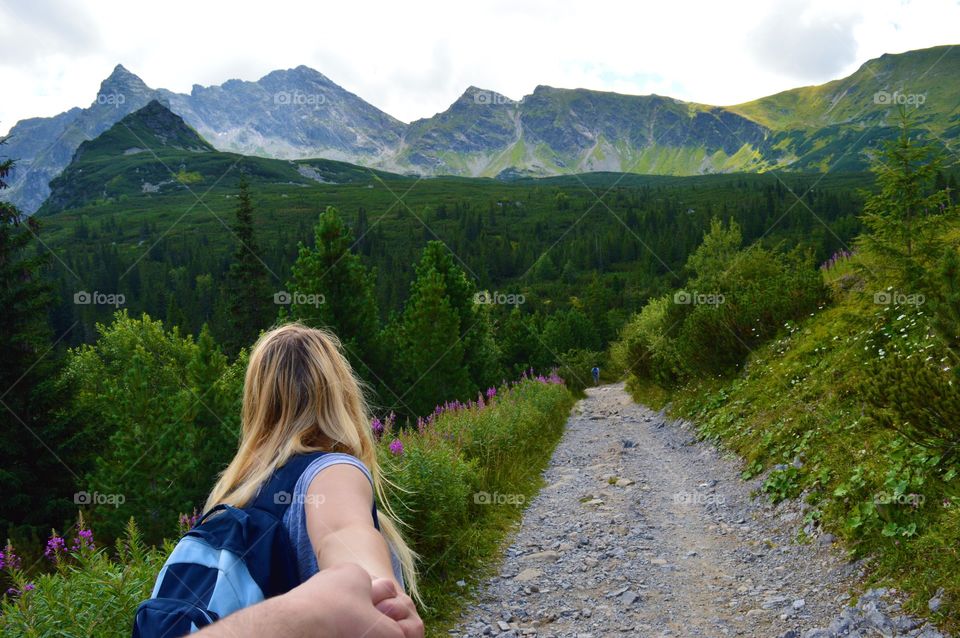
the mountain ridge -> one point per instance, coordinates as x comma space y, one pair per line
300, 113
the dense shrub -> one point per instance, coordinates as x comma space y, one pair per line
644, 350
89, 592
912, 387
735, 300
164, 411
745, 304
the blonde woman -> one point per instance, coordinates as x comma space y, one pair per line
300, 396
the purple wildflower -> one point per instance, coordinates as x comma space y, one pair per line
491, 392
187, 522
83, 540
836, 258
8, 559
396, 447
56, 546
377, 426
13, 591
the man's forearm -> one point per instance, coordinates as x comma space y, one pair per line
278, 616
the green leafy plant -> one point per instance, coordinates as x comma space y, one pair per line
782, 484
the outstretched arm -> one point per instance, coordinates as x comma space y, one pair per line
341, 529
339, 522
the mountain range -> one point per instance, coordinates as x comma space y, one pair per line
300, 113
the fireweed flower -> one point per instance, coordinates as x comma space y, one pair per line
8, 559
377, 426
83, 540
56, 546
396, 447
491, 392
186, 522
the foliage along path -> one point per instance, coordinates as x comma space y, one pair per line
642, 530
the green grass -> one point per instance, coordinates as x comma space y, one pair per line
799, 396
931, 72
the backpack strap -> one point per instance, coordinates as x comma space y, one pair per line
277, 493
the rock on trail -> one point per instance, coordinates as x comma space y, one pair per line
641, 530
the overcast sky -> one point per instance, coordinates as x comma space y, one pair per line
412, 59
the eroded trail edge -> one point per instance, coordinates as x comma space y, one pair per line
643, 530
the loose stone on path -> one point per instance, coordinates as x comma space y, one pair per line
644, 530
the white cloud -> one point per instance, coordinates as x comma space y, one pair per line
806, 42
413, 59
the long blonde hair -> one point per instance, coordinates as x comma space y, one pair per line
300, 395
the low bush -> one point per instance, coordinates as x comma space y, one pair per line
735, 300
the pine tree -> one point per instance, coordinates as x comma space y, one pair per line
431, 354
904, 217
247, 293
335, 278
476, 329
31, 472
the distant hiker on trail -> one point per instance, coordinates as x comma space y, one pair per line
299, 498
596, 375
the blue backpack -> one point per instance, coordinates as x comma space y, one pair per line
227, 562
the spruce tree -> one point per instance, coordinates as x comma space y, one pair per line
476, 329
341, 288
248, 298
904, 216
431, 362
31, 471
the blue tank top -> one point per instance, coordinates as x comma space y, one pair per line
295, 520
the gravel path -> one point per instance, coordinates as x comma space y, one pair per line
642, 530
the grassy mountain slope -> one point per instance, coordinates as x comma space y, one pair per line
796, 414
865, 97
152, 151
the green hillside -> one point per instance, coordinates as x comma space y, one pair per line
152, 152
866, 96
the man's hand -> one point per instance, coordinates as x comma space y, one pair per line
397, 606
338, 602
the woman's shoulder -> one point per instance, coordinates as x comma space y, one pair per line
326, 460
